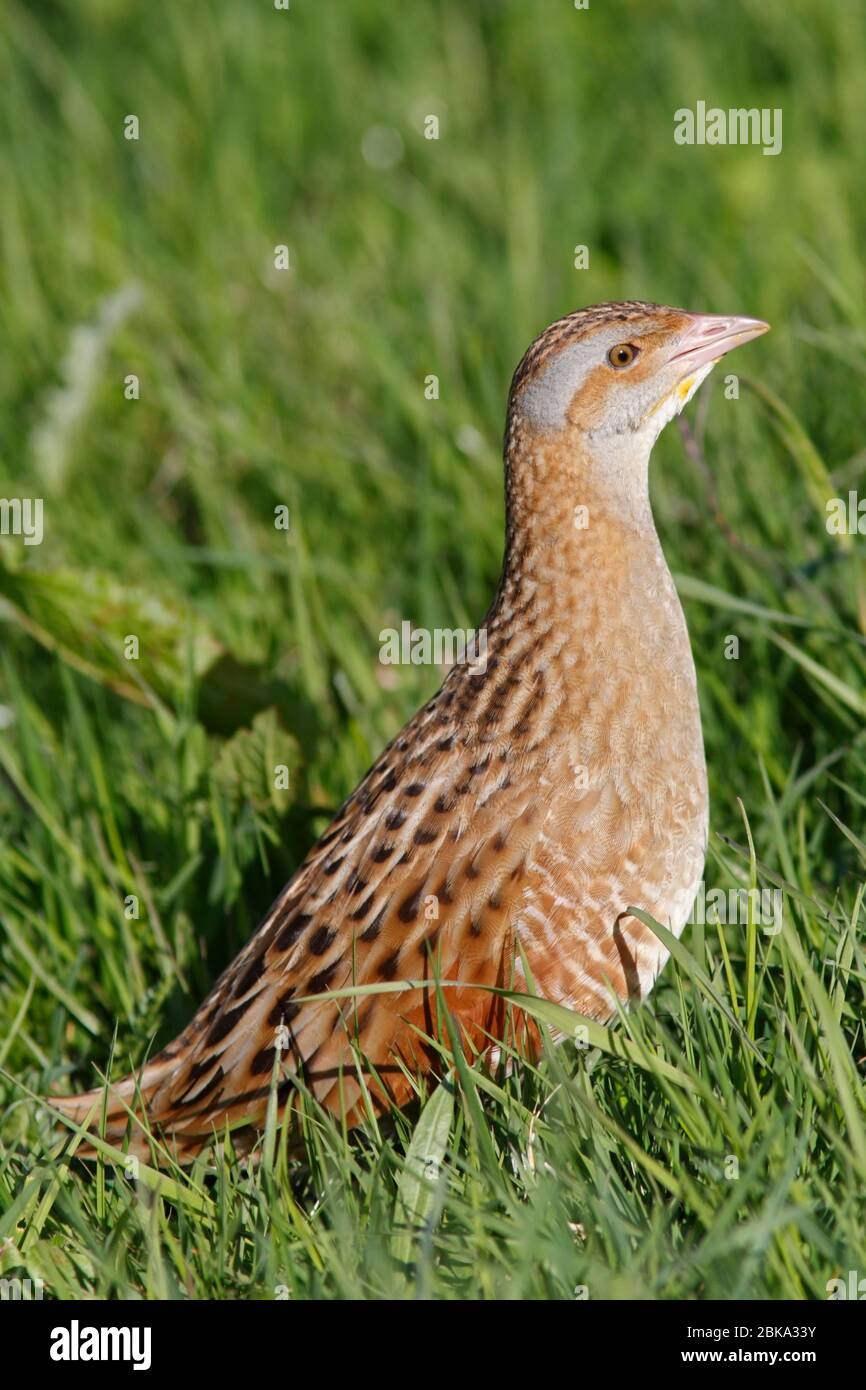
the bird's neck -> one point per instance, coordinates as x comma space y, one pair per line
583, 559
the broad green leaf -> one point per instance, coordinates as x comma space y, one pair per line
416, 1189
244, 769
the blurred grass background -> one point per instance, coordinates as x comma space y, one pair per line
259, 388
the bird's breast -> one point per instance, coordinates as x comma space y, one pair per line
620, 764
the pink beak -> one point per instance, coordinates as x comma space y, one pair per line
709, 336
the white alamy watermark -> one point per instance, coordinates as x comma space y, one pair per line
732, 908
739, 125
77, 1343
438, 646
22, 516
852, 1287
21, 1290
847, 518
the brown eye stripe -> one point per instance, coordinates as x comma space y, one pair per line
577, 325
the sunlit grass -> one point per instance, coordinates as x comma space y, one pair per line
710, 1145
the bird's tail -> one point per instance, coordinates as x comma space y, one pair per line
192, 1093
117, 1110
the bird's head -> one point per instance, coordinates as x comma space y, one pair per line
617, 370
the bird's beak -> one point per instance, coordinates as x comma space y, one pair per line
709, 336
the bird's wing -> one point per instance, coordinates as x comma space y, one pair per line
417, 877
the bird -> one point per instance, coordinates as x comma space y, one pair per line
501, 838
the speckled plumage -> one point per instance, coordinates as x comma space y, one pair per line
522, 810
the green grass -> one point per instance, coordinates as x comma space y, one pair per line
722, 1154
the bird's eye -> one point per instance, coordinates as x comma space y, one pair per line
622, 355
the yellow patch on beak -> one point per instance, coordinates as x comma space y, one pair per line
685, 387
